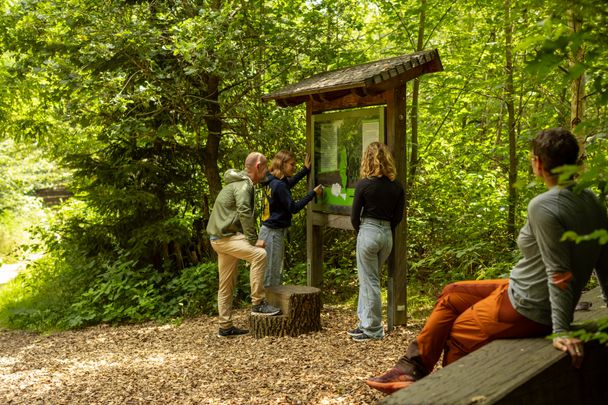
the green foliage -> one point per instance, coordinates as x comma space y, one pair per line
56, 294
122, 291
591, 331
555, 42
144, 198
194, 291
24, 170
458, 232
421, 298
340, 265
295, 274
601, 235
595, 173
39, 298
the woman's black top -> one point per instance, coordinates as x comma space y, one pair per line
378, 198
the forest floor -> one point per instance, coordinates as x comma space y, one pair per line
186, 363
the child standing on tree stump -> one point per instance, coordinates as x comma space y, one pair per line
279, 207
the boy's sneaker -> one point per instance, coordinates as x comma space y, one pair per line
355, 332
265, 309
391, 381
364, 338
231, 331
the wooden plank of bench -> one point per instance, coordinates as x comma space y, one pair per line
518, 371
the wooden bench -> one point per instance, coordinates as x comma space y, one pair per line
519, 371
53, 195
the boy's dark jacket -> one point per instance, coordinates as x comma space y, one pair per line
279, 206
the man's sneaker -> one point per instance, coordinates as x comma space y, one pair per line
364, 338
231, 331
265, 309
391, 381
355, 332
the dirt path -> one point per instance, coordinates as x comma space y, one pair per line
10, 271
188, 364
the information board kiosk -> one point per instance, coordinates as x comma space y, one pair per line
346, 109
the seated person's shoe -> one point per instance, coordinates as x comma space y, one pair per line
231, 331
265, 309
391, 381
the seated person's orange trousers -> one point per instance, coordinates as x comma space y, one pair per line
468, 315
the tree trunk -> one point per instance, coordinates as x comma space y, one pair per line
509, 101
301, 307
415, 97
577, 87
179, 258
213, 121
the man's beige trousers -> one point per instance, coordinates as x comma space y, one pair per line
229, 250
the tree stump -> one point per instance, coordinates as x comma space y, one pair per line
301, 307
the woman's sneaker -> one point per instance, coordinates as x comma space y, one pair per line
364, 338
231, 331
355, 332
265, 309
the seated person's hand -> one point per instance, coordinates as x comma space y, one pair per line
318, 190
574, 346
260, 243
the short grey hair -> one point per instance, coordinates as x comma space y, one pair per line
254, 158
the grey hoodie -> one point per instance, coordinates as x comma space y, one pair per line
233, 211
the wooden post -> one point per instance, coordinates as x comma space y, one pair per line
397, 263
314, 232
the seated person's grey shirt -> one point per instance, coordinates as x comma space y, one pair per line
546, 258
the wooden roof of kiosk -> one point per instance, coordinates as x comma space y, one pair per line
382, 82
360, 81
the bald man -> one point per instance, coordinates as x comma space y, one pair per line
234, 237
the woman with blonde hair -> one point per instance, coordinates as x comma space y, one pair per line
279, 208
377, 209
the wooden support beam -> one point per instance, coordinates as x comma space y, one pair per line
332, 220
314, 233
397, 263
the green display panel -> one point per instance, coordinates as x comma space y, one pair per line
339, 139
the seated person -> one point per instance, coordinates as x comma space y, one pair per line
543, 289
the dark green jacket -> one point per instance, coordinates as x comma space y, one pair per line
234, 208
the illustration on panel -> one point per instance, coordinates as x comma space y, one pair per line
339, 139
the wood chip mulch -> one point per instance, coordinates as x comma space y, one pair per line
186, 363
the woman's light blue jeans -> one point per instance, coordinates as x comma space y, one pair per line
374, 245
275, 252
